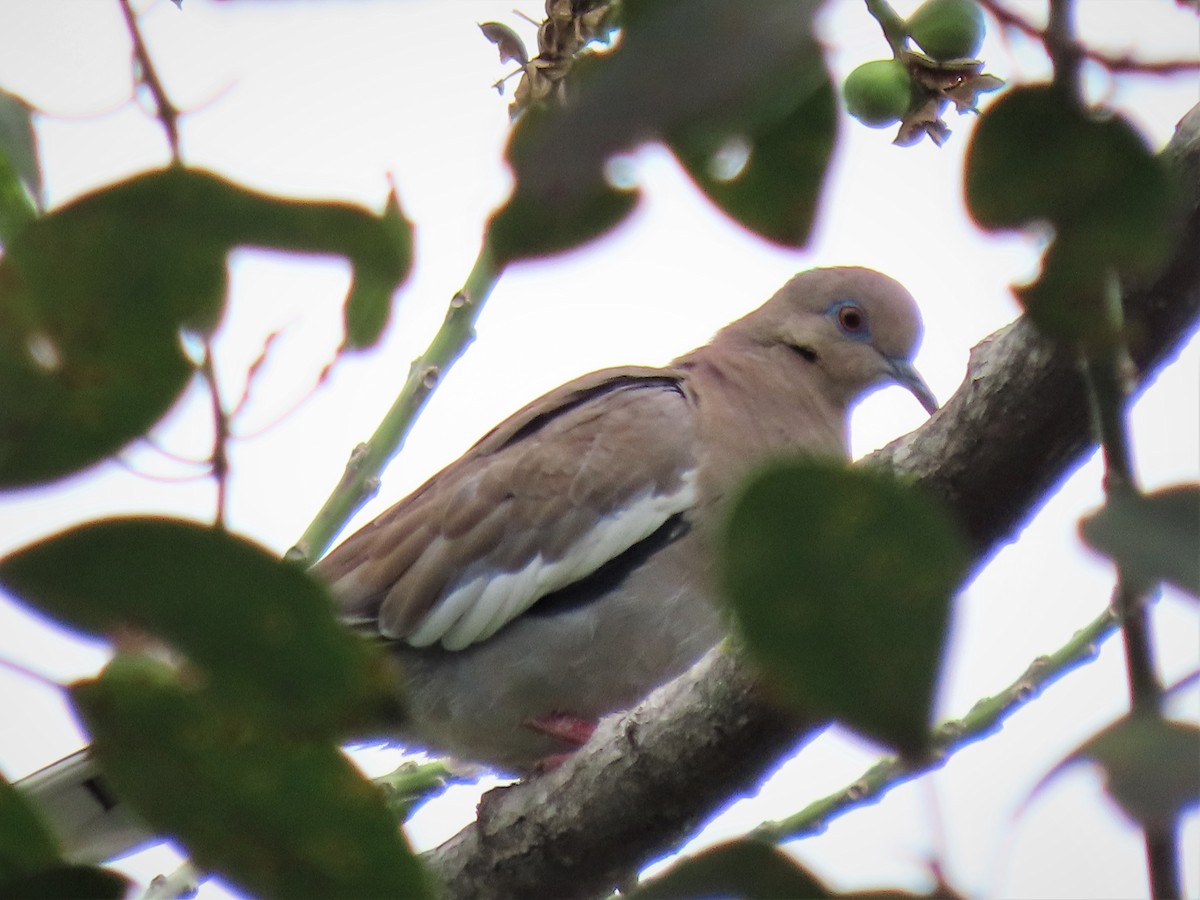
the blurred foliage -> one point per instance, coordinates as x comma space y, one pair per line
751, 870
18, 159
746, 869
31, 863
699, 76
67, 882
261, 629
93, 297
841, 581
276, 814
238, 736
26, 846
1150, 766
1110, 201
1154, 537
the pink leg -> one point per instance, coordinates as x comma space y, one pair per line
566, 728
563, 727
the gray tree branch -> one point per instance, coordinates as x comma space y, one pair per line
1014, 429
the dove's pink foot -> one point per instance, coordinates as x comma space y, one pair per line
566, 728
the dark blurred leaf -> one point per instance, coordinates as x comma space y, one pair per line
1093, 177
17, 208
841, 581
1154, 537
776, 193
1152, 766
1067, 301
93, 296
277, 816
89, 345
745, 869
262, 629
370, 299
528, 226
683, 67
204, 207
18, 143
26, 844
66, 882
1036, 156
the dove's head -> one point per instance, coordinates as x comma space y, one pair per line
859, 327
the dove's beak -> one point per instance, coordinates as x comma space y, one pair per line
908, 377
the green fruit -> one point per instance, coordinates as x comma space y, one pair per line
948, 29
878, 93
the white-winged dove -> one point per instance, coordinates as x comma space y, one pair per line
562, 568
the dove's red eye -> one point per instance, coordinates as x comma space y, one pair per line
851, 319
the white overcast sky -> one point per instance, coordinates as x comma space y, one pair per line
326, 99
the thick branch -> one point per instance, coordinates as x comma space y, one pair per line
1015, 428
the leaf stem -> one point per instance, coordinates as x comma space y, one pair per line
360, 480
985, 717
891, 23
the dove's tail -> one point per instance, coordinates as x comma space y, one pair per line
91, 823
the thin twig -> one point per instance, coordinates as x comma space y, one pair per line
26, 672
1132, 605
1065, 52
360, 479
165, 110
1104, 362
128, 466
1124, 64
984, 718
220, 456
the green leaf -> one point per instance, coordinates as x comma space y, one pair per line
65, 882
262, 629
1038, 157
745, 869
370, 300
529, 225
1069, 300
776, 192
1153, 537
1150, 765
26, 844
379, 248
277, 816
93, 297
683, 68
1093, 177
841, 580
16, 206
89, 348
18, 145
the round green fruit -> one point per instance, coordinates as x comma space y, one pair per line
948, 29
878, 93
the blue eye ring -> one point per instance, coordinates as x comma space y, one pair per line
851, 319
